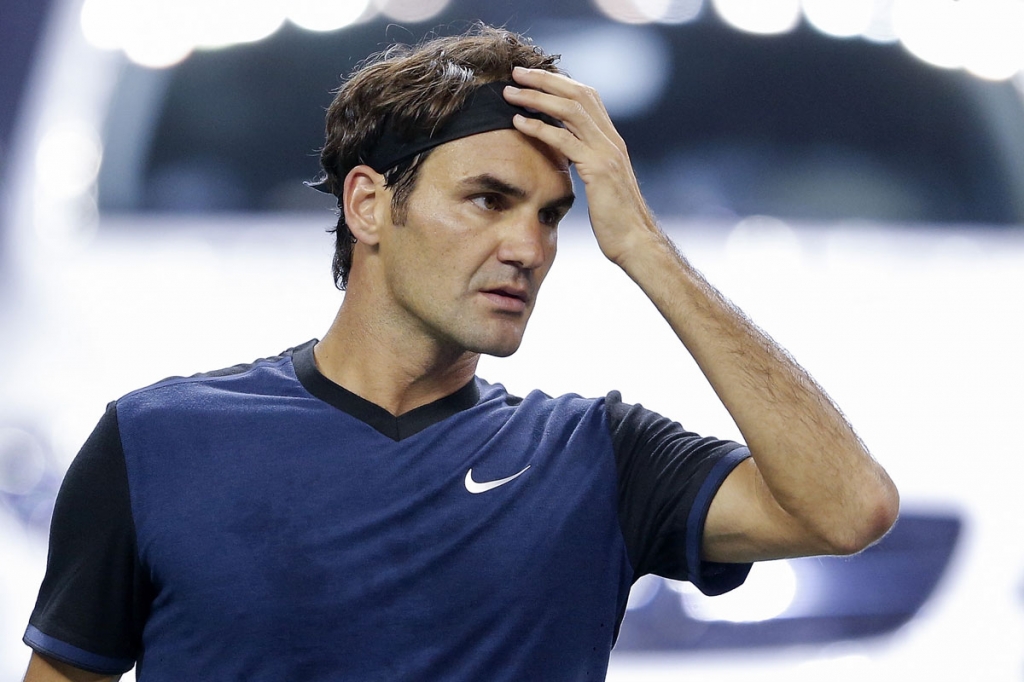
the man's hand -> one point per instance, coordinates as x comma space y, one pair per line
618, 214
810, 487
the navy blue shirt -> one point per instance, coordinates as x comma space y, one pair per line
263, 523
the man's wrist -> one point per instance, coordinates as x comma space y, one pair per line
647, 247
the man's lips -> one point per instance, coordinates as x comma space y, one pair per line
511, 299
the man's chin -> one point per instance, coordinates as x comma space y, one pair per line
499, 349
503, 353
499, 340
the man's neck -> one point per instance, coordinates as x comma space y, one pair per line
392, 373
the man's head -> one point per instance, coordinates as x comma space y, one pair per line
413, 90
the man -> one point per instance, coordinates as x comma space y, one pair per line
364, 507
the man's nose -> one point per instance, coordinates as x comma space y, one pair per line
526, 243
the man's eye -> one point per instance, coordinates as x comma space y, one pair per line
550, 218
488, 202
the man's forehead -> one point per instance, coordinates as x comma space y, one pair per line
505, 154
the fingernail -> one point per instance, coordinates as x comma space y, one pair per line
519, 69
511, 88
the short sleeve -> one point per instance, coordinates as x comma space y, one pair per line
94, 596
667, 477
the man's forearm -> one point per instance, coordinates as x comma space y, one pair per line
812, 463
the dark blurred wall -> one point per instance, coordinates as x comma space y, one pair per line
21, 22
20, 25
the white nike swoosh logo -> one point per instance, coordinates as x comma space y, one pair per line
475, 488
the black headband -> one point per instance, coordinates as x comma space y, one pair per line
485, 109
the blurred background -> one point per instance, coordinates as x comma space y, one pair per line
849, 172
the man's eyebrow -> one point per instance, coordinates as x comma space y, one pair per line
563, 204
490, 183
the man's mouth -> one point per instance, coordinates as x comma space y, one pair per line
511, 299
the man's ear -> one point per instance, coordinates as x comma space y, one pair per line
361, 196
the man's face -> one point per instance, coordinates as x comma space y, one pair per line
465, 267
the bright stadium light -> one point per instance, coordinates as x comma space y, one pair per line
839, 18
995, 46
314, 15
982, 36
681, 11
68, 159
932, 30
650, 11
629, 11
412, 11
152, 33
67, 162
101, 22
230, 22
161, 33
157, 51
880, 28
764, 17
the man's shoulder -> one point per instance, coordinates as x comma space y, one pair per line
542, 402
617, 415
264, 376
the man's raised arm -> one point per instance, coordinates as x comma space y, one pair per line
810, 486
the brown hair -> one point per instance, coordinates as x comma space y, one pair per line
418, 88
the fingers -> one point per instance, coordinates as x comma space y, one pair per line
561, 139
575, 104
581, 135
541, 79
570, 112
589, 138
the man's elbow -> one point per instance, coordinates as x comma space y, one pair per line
877, 512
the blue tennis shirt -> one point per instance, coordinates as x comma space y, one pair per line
263, 523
